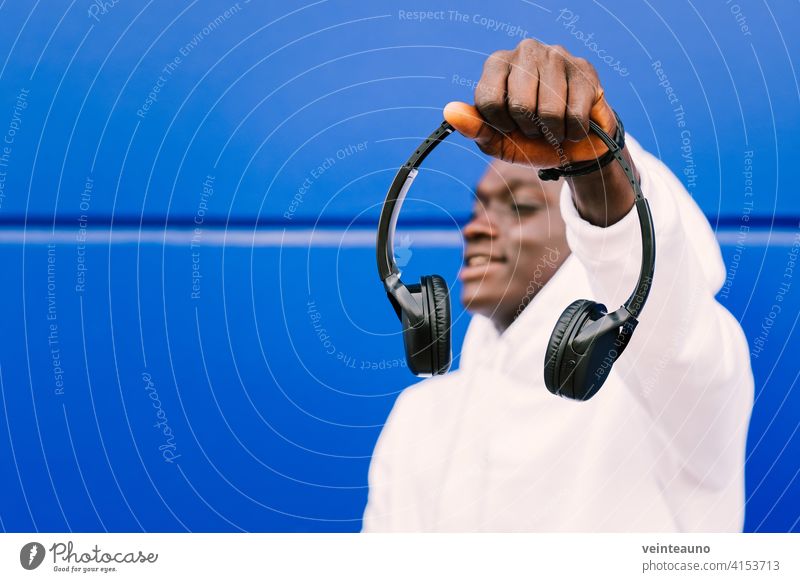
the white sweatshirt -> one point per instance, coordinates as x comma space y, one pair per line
660, 448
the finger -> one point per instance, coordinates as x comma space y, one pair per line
552, 98
490, 93
592, 148
523, 89
602, 113
581, 94
468, 121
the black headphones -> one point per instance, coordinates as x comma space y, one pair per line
423, 309
586, 340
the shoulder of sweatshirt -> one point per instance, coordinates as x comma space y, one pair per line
676, 211
424, 402
677, 219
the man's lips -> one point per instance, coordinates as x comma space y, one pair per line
477, 265
478, 258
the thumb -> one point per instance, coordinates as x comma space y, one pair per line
467, 121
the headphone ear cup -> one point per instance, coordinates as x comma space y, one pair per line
439, 297
416, 338
564, 370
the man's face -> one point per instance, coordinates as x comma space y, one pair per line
515, 241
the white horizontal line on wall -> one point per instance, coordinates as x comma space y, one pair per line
237, 237
291, 237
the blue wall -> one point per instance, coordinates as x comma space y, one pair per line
277, 128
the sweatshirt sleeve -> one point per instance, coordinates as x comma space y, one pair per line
688, 362
378, 512
388, 506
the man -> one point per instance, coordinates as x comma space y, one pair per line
487, 448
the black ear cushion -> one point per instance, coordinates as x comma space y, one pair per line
551, 358
441, 323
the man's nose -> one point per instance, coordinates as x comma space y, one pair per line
480, 225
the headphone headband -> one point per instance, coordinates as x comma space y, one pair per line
637, 299
395, 197
408, 171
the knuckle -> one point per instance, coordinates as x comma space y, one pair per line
575, 119
528, 45
488, 98
553, 122
587, 68
486, 94
550, 117
491, 109
577, 124
582, 66
498, 57
518, 109
529, 54
581, 62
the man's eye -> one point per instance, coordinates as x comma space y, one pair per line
526, 208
